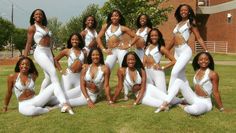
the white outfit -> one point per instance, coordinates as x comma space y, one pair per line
43, 56
198, 104
33, 106
89, 38
152, 96
155, 77
76, 97
70, 79
183, 54
143, 35
116, 52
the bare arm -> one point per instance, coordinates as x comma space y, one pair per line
58, 58
131, 34
143, 88
120, 75
100, 35
198, 37
10, 83
30, 34
106, 82
215, 82
169, 56
170, 46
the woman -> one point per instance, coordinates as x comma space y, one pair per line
40, 34
113, 30
206, 82
153, 53
144, 25
186, 24
22, 82
76, 57
132, 76
93, 78
89, 33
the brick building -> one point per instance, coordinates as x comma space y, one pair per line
215, 20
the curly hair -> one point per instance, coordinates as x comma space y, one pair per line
195, 64
44, 21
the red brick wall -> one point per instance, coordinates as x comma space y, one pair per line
216, 2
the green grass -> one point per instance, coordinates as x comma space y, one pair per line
118, 118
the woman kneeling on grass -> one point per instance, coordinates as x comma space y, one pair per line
132, 76
23, 84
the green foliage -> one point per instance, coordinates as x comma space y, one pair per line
55, 26
133, 8
6, 29
19, 38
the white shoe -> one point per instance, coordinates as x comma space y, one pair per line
68, 109
126, 98
162, 108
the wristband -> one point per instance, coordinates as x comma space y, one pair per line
222, 109
87, 99
135, 103
103, 49
110, 102
60, 71
129, 45
206, 51
162, 67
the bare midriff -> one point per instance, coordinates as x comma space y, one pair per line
140, 43
199, 91
149, 61
113, 42
179, 39
45, 41
92, 87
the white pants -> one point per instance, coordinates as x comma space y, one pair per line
157, 78
182, 54
140, 53
43, 56
76, 98
70, 80
116, 54
34, 106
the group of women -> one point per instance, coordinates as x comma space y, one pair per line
140, 71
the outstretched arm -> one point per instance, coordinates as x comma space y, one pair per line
10, 84
106, 84
120, 75
143, 88
30, 34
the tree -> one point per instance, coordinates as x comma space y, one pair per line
19, 39
55, 26
6, 30
131, 9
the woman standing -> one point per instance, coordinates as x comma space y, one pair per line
186, 24
75, 57
40, 34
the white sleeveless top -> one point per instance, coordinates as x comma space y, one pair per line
205, 82
184, 30
129, 82
98, 79
154, 53
109, 33
89, 36
40, 33
19, 87
143, 34
72, 57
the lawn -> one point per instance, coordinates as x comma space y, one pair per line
122, 117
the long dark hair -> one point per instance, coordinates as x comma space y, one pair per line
195, 64
89, 58
191, 15
121, 21
81, 41
94, 24
138, 65
32, 68
161, 41
44, 21
149, 23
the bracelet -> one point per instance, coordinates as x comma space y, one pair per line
60, 71
135, 103
162, 67
110, 102
129, 45
87, 99
103, 49
206, 51
222, 109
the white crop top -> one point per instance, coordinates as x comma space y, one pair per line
184, 30
205, 82
109, 33
90, 36
72, 57
154, 53
40, 33
19, 87
143, 34
129, 82
98, 78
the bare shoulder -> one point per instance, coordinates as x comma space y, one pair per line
12, 77
31, 28
121, 70
213, 75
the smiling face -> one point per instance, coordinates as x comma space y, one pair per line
89, 22
24, 66
131, 61
95, 57
203, 61
38, 16
143, 20
115, 17
154, 37
74, 41
184, 12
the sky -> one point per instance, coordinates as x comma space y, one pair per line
61, 9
